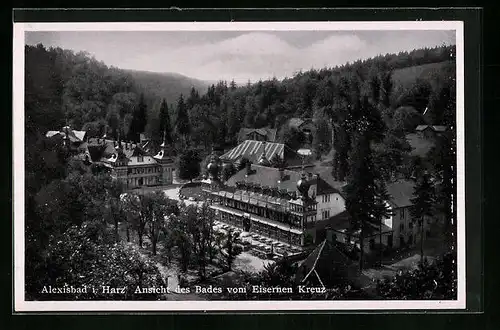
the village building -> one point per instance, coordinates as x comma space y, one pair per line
304, 125
396, 231
253, 150
324, 266
278, 203
74, 141
131, 164
424, 138
257, 134
430, 131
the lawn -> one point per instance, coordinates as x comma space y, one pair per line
192, 190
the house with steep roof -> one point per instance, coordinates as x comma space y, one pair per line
257, 134
75, 141
430, 131
324, 266
304, 125
131, 164
277, 202
254, 150
395, 231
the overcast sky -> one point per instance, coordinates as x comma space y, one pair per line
241, 56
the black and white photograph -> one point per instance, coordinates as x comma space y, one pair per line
239, 166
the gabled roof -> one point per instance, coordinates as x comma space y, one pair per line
117, 156
342, 222
80, 134
267, 177
252, 150
323, 264
146, 160
323, 187
109, 148
401, 192
73, 135
435, 128
439, 128
269, 133
164, 154
297, 122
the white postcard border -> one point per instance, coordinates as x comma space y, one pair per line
21, 305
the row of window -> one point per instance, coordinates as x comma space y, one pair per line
294, 220
327, 198
144, 181
144, 170
261, 228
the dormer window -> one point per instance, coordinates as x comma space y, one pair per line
140, 159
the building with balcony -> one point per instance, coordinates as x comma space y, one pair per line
396, 231
132, 165
280, 204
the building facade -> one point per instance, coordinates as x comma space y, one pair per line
131, 164
396, 231
257, 134
277, 203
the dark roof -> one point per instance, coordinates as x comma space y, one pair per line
323, 262
323, 187
436, 128
100, 148
422, 127
342, 222
269, 133
268, 177
297, 122
401, 192
439, 128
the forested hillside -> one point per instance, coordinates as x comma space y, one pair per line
392, 91
72, 214
67, 87
165, 85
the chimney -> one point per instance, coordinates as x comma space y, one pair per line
249, 168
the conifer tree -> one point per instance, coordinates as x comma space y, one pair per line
165, 127
182, 125
139, 120
365, 194
422, 204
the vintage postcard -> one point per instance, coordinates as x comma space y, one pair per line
257, 166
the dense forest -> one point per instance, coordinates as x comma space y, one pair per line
368, 105
64, 87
